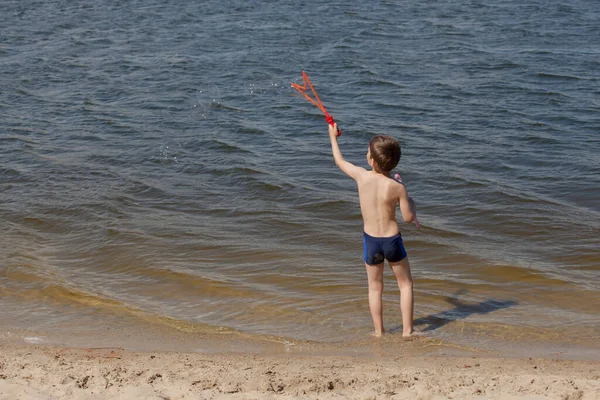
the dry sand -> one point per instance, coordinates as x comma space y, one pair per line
37, 372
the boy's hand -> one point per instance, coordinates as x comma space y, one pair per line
333, 131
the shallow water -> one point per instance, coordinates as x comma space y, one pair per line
158, 168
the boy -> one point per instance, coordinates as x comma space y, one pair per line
379, 194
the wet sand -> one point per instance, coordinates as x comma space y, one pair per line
44, 372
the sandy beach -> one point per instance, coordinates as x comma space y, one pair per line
43, 372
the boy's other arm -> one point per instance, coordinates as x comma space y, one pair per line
408, 207
348, 168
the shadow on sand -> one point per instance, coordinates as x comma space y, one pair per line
461, 310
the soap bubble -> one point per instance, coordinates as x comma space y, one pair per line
267, 88
171, 152
206, 100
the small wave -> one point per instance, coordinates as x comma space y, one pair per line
85, 137
19, 139
377, 83
66, 294
87, 299
10, 175
146, 190
322, 205
253, 131
405, 108
456, 183
549, 93
42, 224
260, 186
217, 144
495, 67
557, 76
235, 171
221, 106
539, 140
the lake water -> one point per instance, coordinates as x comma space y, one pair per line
158, 170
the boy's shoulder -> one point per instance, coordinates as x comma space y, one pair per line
367, 176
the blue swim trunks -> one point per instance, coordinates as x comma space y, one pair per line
378, 249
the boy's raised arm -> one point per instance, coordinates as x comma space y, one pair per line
348, 168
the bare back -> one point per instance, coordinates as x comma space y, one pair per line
379, 196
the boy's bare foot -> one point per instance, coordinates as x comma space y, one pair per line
413, 335
378, 334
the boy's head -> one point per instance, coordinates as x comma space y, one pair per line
384, 153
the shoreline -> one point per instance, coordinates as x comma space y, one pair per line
51, 372
167, 338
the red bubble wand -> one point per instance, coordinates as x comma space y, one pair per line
316, 101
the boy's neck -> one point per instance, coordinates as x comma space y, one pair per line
386, 174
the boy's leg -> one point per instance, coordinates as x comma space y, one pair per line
375, 277
405, 284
